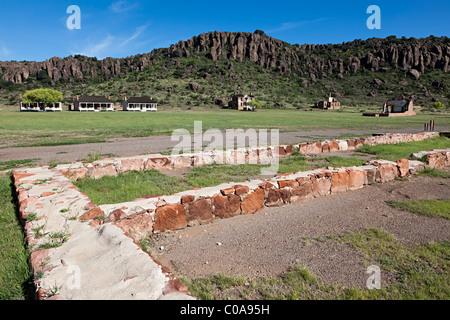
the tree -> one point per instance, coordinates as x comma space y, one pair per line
260, 32
255, 104
46, 96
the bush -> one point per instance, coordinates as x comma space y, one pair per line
439, 105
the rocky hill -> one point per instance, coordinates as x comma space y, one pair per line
422, 63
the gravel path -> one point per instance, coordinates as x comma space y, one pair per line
122, 147
271, 241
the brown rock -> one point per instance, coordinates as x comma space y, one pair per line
157, 163
138, 228
253, 202
240, 190
274, 198
187, 199
91, 214
200, 211
132, 165
117, 215
321, 186
226, 206
287, 183
339, 182
227, 191
403, 167
301, 193
170, 217
355, 179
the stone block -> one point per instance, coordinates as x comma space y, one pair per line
199, 212
170, 217
339, 181
226, 206
253, 202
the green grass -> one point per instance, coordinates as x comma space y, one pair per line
419, 273
26, 129
428, 208
7, 165
15, 274
434, 173
404, 150
132, 185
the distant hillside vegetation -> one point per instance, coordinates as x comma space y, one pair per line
207, 69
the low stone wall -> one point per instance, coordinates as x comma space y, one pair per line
251, 155
83, 251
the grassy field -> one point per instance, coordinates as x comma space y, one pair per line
404, 150
15, 274
47, 129
421, 273
132, 185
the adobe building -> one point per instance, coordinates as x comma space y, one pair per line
240, 102
142, 104
397, 107
39, 106
330, 104
92, 103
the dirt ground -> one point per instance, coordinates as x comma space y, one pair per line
269, 242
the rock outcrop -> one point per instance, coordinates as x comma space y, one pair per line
413, 56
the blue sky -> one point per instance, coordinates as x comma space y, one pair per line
36, 30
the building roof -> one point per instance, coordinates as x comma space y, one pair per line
96, 99
140, 100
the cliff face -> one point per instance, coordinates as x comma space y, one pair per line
414, 56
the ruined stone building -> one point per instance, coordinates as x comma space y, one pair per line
240, 102
330, 104
397, 107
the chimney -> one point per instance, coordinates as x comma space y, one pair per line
78, 97
20, 96
109, 98
125, 98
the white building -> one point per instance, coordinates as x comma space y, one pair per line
142, 104
92, 103
39, 106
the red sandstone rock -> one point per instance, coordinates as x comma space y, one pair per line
132, 165
157, 163
46, 194
170, 217
287, 183
339, 182
92, 214
321, 186
226, 206
240, 190
355, 179
187, 199
302, 192
117, 215
253, 202
101, 171
274, 198
403, 167
138, 227
200, 211
227, 191
334, 146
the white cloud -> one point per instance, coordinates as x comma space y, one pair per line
97, 49
4, 52
291, 25
136, 34
122, 6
